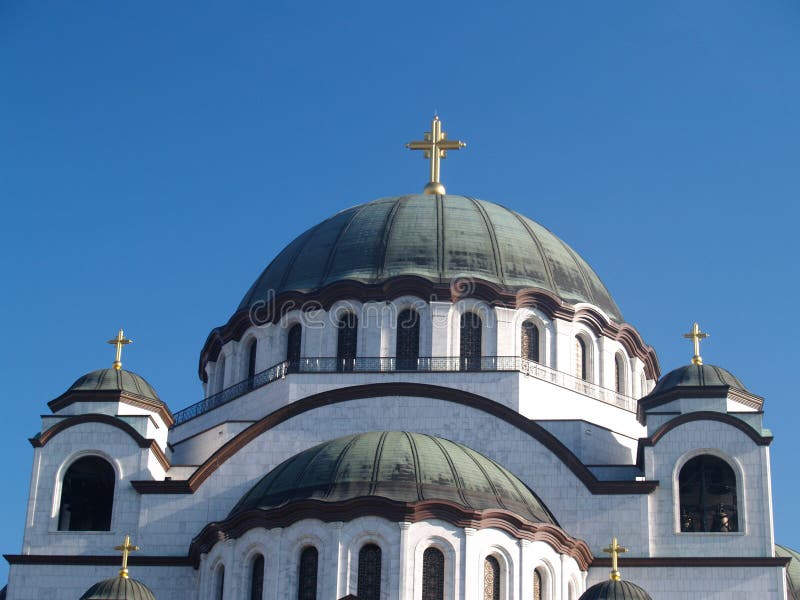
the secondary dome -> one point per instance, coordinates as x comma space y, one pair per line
438, 238
697, 376
615, 590
118, 588
400, 466
113, 380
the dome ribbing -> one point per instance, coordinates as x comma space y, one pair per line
438, 238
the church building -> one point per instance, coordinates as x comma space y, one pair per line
423, 397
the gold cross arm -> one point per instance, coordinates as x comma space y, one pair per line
119, 342
614, 550
435, 145
696, 335
126, 548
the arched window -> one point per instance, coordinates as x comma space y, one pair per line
293, 347
537, 585
257, 578
347, 343
530, 341
432, 574
471, 331
619, 373
219, 374
87, 496
219, 583
581, 359
369, 572
491, 579
407, 349
252, 349
307, 574
708, 495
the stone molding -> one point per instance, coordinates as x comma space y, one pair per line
124, 397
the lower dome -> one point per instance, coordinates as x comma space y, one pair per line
615, 590
400, 466
118, 588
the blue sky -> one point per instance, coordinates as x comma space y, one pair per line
155, 156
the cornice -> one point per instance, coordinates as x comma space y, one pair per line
697, 391
694, 561
125, 397
391, 510
97, 559
411, 285
42, 439
374, 390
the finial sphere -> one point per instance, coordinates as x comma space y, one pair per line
434, 187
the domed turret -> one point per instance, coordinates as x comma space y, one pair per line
615, 588
121, 587
114, 380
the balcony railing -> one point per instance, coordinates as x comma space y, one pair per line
391, 364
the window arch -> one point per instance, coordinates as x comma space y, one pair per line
581, 359
538, 586
294, 341
708, 499
369, 572
257, 577
530, 341
432, 574
252, 350
619, 373
307, 574
219, 583
407, 347
471, 338
347, 342
219, 374
87, 496
491, 578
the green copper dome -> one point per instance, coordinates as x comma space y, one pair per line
697, 376
401, 466
792, 571
438, 238
118, 588
615, 590
113, 380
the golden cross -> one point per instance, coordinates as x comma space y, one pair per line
435, 146
119, 342
126, 549
696, 335
614, 550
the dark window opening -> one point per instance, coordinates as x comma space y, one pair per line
537, 585
619, 374
471, 331
257, 578
347, 342
307, 576
407, 350
293, 347
708, 496
369, 572
252, 349
432, 574
530, 341
220, 583
87, 496
581, 363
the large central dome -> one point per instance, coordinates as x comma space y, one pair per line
438, 238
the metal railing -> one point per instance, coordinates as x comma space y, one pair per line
392, 364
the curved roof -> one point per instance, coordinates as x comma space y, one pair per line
113, 380
615, 590
792, 571
697, 376
118, 588
401, 466
438, 238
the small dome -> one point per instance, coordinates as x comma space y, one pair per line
792, 571
697, 376
615, 590
401, 466
118, 588
113, 380
437, 238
